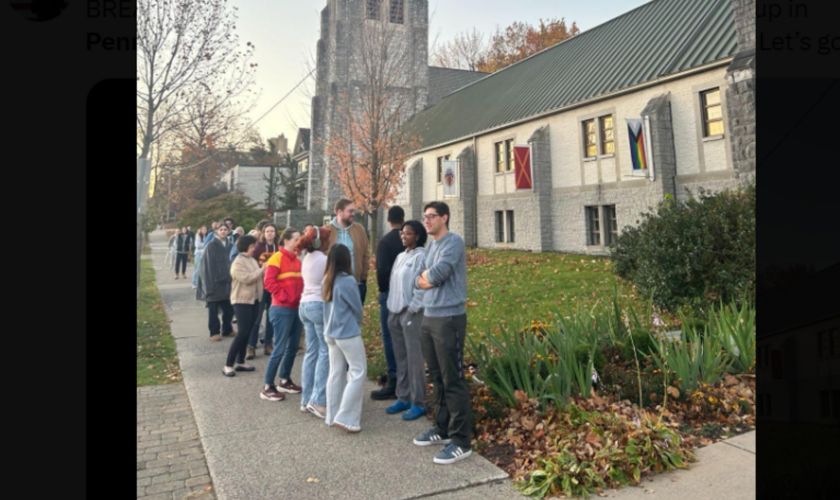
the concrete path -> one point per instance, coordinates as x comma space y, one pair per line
723, 470
257, 449
262, 450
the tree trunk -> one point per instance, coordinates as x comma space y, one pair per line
374, 231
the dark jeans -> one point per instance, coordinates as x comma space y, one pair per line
265, 303
390, 360
227, 317
246, 314
442, 340
363, 291
181, 262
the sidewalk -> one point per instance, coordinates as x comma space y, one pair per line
257, 449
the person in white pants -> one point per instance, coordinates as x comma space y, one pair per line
343, 334
173, 250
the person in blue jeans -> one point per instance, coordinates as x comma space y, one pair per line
316, 361
390, 246
284, 281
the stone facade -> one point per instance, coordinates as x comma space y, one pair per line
740, 94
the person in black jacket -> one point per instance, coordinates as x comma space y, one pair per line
386, 254
182, 252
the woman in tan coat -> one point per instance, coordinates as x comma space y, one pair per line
245, 295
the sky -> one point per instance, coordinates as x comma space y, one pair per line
285, 33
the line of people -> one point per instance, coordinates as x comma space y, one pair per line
317, 281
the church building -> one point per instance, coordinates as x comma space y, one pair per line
560, 151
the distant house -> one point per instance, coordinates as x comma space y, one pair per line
250, 180
798, 351
300, 154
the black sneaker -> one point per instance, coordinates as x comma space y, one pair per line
452, 454
431, 437
388, 391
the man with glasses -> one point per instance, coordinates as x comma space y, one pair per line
442, 335
390, 246
354, 237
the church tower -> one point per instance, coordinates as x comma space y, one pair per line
345, 41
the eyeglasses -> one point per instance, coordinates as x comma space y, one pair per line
430, 216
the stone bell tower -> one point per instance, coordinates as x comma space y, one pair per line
345, 41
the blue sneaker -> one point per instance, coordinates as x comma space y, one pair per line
429, 438
414, 413
398, 407
452, 454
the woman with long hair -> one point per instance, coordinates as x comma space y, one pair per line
246, 291
343, 331
316, 362
267, 245
198, 250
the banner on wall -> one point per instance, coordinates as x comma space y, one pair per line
450, 177
522, 168
638, 152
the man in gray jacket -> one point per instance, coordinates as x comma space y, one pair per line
442, 338
214, 284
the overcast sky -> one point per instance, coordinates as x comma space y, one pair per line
285, 33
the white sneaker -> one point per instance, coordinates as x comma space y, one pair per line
303, 408
312, 409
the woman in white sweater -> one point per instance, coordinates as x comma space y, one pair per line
316, 362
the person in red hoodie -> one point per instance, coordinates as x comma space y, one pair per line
284, 281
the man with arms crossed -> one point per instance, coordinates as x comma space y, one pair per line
442, 338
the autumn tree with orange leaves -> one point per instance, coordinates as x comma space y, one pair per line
367, 149
472, 51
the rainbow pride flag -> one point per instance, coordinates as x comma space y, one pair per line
637, 144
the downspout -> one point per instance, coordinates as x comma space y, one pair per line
475, 192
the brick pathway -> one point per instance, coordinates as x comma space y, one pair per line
170, 458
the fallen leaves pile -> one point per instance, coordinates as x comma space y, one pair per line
603, 442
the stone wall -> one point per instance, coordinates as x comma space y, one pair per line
740, 93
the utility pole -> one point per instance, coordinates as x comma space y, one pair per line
143, 171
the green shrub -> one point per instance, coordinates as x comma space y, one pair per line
642, 340
734, 326
693, 362
695, 252
692, 327
582, 355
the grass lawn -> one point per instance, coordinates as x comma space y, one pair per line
509, 288
157, 359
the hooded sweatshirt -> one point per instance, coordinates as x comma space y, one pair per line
283, 279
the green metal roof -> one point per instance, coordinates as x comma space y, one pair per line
656, 39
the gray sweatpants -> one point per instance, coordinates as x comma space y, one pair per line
345, 387
443, 347
411, 372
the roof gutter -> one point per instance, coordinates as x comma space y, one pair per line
592, 100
